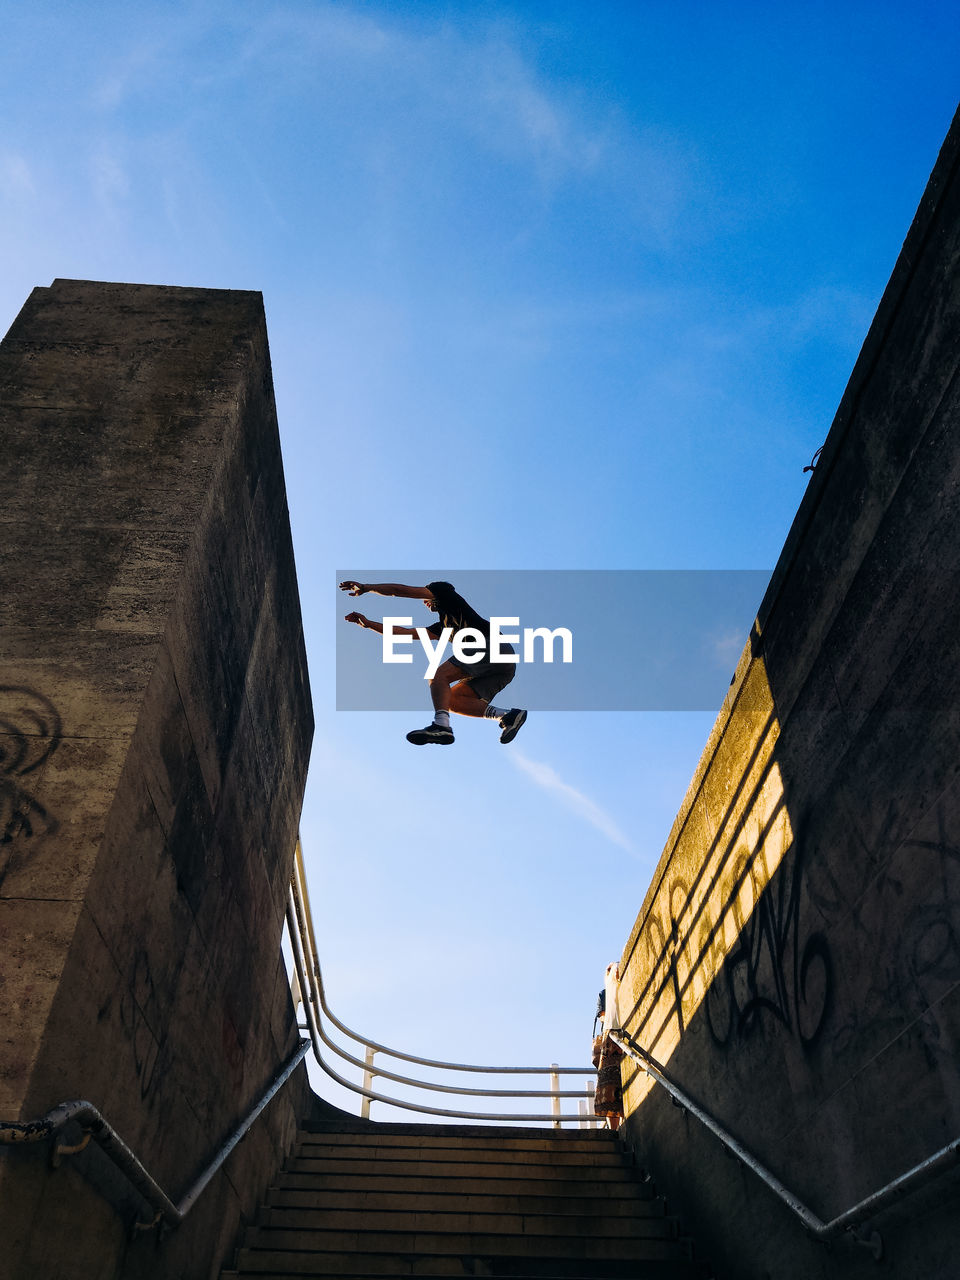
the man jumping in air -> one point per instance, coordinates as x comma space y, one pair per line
464, 687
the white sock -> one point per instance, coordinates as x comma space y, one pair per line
494, 713
442, 718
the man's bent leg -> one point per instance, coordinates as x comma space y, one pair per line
487, 685
447, 674
465, 700
441, 696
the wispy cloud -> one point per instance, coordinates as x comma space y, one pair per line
724, 648
16, 178
500, 98
426, 85
822, 314
545, 776
128, 72
480, 84
109, 180
840, 313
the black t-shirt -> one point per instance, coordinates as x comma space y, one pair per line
459, 618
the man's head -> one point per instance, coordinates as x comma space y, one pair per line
444, 599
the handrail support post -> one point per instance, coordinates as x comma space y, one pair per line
368, 1074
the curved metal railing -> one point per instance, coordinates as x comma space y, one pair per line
309, 992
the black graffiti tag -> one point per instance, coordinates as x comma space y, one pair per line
774, 969
30, 732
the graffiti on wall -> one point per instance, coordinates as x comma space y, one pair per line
778, 969
734, 936
141, 994
30, 732
748, 938
905, 894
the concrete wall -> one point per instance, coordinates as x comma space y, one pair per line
796, 962
155, 724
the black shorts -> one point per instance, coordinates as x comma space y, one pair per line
486, 679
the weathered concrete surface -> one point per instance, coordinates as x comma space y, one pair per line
797, 958
155, 724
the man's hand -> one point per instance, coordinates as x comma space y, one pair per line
354, 588
358, 618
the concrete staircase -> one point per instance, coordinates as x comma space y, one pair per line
364, 1200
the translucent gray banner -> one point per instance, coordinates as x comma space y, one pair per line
639, 639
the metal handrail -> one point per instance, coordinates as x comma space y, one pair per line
907, 1182
435, 1087
313, 1026
309, 980
299, 885
99, 1129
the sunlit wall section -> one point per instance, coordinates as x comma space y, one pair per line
727, 842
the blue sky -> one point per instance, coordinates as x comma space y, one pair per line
548, 285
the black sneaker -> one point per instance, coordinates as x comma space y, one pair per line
432, 733
511, 724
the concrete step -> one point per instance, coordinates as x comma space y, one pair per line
364, 1202
422, 1183
662, 1240
459, 1222
584, 1143
487, 1132
597, 1158
592, 1206
615, 1170
604, 1258
518, 1269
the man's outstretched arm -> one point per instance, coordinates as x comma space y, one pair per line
370, 625
386, 589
